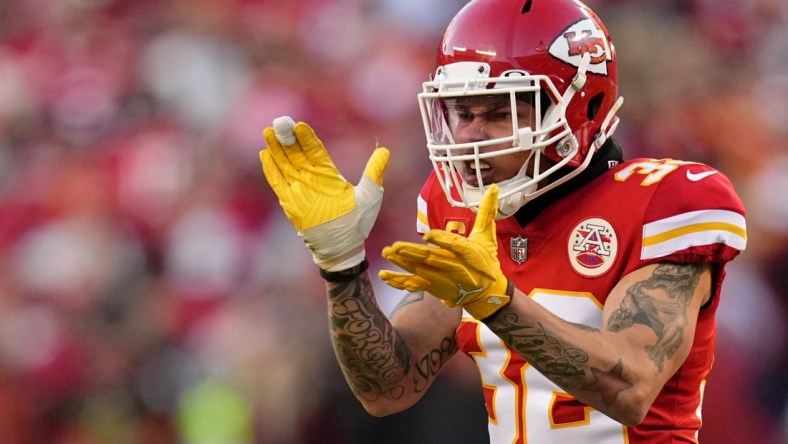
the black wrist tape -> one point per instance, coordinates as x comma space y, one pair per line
510, 293
345, 275
509, 289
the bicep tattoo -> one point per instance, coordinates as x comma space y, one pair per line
660, 303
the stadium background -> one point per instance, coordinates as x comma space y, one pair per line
151, 289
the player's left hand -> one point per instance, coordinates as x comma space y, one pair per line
332, 216
458, 270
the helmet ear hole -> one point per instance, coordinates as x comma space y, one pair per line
594, 104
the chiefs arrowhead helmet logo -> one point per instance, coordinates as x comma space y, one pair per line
583, 37
586, 43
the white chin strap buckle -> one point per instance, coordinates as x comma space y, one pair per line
525, 138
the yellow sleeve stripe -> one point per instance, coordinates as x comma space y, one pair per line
695, 228
422, 222
423, 218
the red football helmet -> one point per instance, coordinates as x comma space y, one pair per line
552, 58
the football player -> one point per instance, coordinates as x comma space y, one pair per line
583, 286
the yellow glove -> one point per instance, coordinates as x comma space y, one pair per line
457, 270
332, 216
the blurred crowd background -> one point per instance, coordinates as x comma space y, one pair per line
151, 289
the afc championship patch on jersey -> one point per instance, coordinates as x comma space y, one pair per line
592, 247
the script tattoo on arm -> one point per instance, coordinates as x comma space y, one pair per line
430, 365
660, 303
374, 358
564, 364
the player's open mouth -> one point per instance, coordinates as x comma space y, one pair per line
471, 177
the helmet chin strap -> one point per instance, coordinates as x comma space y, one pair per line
510, 204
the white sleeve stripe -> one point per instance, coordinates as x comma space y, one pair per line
695, 228
695, 239
421, 227
421, 204
693, 218
422, 222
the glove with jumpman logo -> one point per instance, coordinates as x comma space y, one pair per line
458, 270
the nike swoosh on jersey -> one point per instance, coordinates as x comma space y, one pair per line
699, 176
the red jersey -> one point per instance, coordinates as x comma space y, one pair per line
568, 259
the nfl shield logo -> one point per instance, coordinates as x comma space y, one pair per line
518, 249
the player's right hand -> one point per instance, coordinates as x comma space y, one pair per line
332, 216
459, 271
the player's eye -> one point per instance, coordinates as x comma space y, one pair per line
463, 114
500, 115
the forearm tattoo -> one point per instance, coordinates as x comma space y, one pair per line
430, 365
564, 364
660, 303
374, 359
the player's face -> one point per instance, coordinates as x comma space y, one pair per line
480, 118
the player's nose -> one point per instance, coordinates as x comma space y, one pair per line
473, 131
